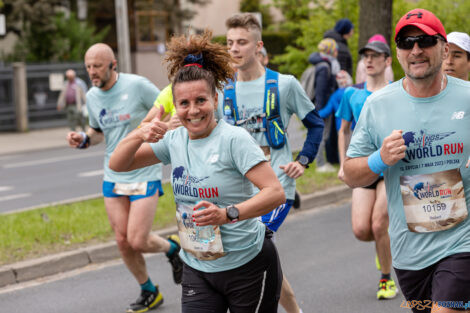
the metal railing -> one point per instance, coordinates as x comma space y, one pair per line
42, 102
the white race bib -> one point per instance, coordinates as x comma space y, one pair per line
433, 202
130, 189
204, 242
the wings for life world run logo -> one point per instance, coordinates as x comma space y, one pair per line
110, 118
423, 144
425, 190
186, 185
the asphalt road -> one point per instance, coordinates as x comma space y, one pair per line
39, 178
328, 268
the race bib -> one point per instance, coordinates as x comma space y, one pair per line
433, 202
130, 189
204, 242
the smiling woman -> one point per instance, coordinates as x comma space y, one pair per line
229, 260
195, 108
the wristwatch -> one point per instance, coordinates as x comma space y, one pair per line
303, 160
232, 213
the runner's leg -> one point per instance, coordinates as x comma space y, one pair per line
141, 217
387, 287
380, 229
361, 213
273, 220
287, 300
118, 214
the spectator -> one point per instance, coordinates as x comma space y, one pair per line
72, 99
326, 69
343, 30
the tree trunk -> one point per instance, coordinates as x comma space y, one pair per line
375, 17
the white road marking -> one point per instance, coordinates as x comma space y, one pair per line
91, 173
17, 196
5, 188
53, 159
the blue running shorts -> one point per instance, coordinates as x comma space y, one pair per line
274, 219
152, 187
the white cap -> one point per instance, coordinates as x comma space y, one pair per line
460, 39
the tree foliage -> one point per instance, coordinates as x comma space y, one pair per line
256, 6
46, 34
64, 39
308, 20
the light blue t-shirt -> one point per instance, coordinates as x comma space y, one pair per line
213, 169
437, 135
351, 103
250, 102
117, 112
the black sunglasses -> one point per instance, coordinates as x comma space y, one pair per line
424, 41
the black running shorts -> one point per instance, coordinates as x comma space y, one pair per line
446, 282
253, 287
374, 184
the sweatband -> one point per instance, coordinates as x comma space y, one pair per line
85, 142
375, 163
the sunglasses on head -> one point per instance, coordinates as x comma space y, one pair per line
423, 41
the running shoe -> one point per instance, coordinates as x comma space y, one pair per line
175, 261
146, 301
387, 289
377, 262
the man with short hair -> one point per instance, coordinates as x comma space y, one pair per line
262, 101
116, 105
369, 204
457, 63
416, 132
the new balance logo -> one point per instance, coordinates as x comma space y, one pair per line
458, 115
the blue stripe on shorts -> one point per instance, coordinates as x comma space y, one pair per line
274, 219
152, 187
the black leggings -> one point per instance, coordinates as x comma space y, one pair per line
251, 288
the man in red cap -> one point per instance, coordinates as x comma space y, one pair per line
416, 131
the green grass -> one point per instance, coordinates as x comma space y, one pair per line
312, 181
53, 229
35, 233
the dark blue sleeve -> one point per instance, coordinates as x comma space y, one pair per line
314, 124
321, 87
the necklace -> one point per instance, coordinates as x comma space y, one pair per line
443, 80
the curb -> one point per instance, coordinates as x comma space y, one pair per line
66, 261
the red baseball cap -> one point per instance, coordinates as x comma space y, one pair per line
424, 20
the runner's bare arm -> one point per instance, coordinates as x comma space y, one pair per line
357, 171
76, 138
343, 134
270, 196
134, 152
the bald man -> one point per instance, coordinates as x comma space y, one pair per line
116, 104
72, 99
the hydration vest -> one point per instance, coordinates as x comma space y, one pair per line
272, 123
